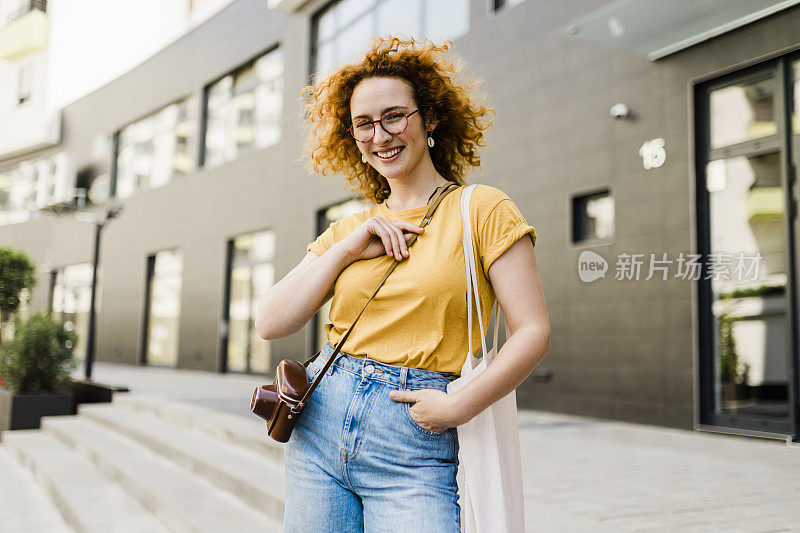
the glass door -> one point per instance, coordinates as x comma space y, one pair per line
792, 67
746, 318
165, 275
252, 273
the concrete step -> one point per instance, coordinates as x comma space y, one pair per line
24, 503
181, 500
247, 431
87, 500
248, 475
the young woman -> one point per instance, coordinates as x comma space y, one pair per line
376, 447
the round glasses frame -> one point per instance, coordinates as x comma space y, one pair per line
351, 128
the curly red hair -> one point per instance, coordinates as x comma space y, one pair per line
453, 105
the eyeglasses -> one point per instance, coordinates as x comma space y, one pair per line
393, 122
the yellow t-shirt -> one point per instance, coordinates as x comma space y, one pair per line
418, 318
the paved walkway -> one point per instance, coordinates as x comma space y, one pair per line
584, 474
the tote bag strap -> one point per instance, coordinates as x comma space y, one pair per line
472, 281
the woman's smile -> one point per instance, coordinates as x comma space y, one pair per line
390, 154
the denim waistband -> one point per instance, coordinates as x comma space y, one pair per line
401, 376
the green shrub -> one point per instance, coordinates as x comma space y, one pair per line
17, 273
17, 278
728, 356
39, 356
763, 290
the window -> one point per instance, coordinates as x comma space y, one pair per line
243, 109
99, 189
252, 272
153, 150
23, 193
324, 219
500, 4
71, 301
592, 217
5, 197
743, 111
96, 181
17, 189
164, 278
24, 85
344, 29
34, 184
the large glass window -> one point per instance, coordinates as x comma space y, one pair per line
151, 151
34, 184
22, 204
742, 112
165, 274
71, 298
243, 109
252, 273
324, 219
344, 29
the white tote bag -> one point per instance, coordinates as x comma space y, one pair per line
490, 466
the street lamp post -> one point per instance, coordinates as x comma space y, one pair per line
90, 340
113, 212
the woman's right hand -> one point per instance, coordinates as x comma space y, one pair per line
376, 236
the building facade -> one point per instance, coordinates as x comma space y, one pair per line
656, 162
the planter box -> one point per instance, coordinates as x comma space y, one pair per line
91, 392
25, 410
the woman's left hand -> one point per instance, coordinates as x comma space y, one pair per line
433, 409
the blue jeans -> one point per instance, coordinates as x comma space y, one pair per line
357, 461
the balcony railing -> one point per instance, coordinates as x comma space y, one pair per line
26, 8
25, 31
773, 260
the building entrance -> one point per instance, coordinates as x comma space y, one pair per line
747, 146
